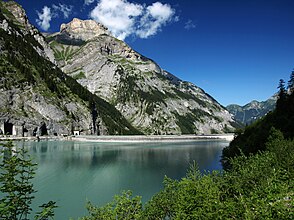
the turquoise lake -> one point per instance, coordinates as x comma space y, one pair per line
72, 173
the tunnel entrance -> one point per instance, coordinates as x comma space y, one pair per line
43, 130
8, 128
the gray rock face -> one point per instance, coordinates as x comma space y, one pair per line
153, 100
40, 115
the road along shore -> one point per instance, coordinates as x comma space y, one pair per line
153, 138
126, 138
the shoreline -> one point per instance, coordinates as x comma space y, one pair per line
126, 138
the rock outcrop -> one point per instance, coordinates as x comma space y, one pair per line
83, 30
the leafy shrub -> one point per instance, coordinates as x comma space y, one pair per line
123, 207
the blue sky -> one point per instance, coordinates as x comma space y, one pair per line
236, 50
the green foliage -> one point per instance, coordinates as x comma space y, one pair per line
256, 188
283, 150
16, 172
47, 211
214, 131
80, 75
186, 123
62, 52
123, 207
162, 204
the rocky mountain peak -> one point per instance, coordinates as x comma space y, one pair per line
18, 12
83, 29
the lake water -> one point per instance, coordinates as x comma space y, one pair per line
71, 173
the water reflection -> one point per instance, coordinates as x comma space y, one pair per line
71, 172
92, 155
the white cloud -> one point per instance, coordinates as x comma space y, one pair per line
156, 16
160, 12
124, 18
44, 18
189, 25
88, 2
48, 13
66, 10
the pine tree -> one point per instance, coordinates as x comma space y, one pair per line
282, 89
282, 95
291, 83
16, 172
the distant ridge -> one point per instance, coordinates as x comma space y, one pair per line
252, 111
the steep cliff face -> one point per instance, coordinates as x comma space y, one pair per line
83, 30
36, 97
18, 16
153, 100
252, 111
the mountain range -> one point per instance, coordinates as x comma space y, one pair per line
82, 78
252, 111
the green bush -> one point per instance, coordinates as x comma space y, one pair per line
123, 207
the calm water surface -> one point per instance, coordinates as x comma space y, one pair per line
71, 173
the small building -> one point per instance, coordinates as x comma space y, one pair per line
76, 132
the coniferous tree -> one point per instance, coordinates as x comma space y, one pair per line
282, 95
291, 83
16, 173
281, 87
16, 189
